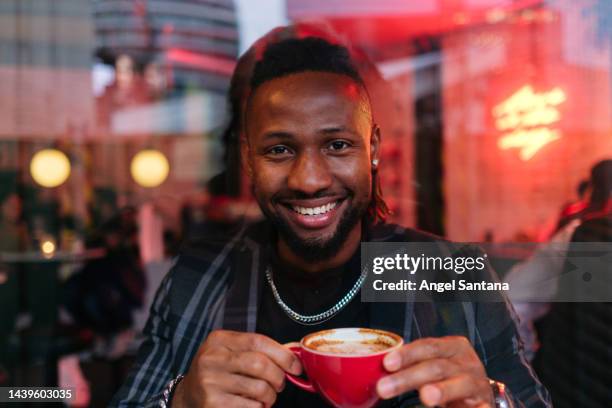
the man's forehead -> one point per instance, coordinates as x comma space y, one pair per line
309, 90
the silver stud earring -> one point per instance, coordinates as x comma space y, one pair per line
375, 162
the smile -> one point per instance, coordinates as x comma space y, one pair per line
315, 214
322, 209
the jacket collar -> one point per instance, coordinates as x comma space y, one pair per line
248, 264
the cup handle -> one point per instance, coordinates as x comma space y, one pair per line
306, 385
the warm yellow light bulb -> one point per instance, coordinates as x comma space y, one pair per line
149, 168
50, 168
47, 247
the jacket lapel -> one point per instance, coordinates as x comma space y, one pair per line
247, 267
391, 316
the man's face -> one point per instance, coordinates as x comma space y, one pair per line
309, 149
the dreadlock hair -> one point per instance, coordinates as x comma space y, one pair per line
297, 55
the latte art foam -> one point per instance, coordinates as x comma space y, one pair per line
355, 348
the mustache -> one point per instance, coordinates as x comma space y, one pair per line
300, 195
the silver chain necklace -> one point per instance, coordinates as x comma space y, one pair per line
321, 317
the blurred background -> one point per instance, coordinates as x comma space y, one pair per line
116, 144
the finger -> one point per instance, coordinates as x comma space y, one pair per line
253, 364
252, 388
415, 376
461, 387
259, 366
280, 355
225, 400
425, 349
219, 337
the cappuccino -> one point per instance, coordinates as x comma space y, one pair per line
355, 348
343, 365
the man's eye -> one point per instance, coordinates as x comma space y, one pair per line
338, 145
277, 150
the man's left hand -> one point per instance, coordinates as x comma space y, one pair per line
446, 371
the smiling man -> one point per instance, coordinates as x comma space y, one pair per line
215, 334
310, 144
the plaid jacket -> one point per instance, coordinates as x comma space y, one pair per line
217, 284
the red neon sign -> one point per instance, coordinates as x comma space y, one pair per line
526, 117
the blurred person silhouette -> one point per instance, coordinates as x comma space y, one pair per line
581, 332
103, 295
13, 239
600, 201
13, 231
42, 211
156, 81
128, 89
547, 263
576, 338
595, 196
101, 207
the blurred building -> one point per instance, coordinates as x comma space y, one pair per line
194, 41
45, 68
172, 64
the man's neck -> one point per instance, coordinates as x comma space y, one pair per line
340, 258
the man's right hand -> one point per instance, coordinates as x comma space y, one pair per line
233, 369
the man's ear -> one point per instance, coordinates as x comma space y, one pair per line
245, 150
375, 146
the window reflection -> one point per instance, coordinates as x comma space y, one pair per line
120, 131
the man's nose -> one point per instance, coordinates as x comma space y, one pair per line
310, 173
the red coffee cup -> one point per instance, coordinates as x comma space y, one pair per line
344, 365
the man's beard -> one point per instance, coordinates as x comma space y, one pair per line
317, 249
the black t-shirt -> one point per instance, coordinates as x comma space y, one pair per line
308, 294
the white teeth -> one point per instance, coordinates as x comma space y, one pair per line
314, 210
